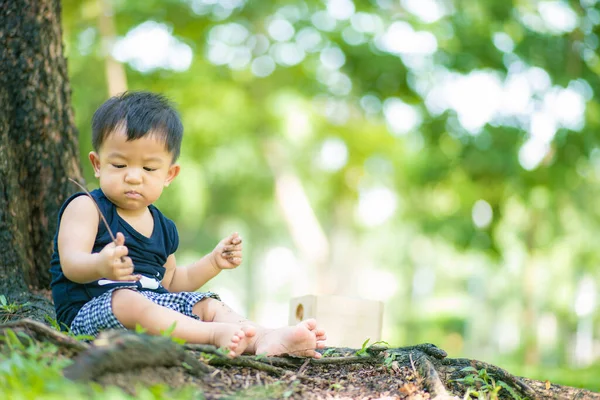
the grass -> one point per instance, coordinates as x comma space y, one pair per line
481, 385
31, 370
8, 309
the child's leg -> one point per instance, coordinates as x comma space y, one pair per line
301, 339
131, 309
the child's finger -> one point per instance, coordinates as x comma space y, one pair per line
120, 239
235, 238
121, 251
232, 254
237, 247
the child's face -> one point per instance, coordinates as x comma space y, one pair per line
133, 173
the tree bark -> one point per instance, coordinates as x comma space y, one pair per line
38, 141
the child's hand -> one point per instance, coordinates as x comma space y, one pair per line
228, 253
115, 265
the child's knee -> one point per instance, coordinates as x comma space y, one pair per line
126, 303
206, 308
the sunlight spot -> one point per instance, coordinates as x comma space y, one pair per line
366, 23
353, 37
281, 30
332, 57
297, 122
85, 40
503, 42
401, 118
333, 155
585, 300
337, 111
309, 39
553, 17
475, 97
376, 206
428, 11
233, 34
259, 44
558, 16
482, 214
340, 9
401, 38
220, 9
287, 54
532, 153
339, 84
263, 66
240, 58
370, 103
150, 46
323, 21
220, 53
567, 106
543, 126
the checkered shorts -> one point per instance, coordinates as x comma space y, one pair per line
96, 315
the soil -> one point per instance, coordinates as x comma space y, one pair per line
129, 361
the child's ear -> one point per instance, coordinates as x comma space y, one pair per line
95, 160
173, 172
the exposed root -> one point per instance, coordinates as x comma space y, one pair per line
422, 366
455, 365
43, 333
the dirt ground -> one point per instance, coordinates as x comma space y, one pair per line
129, 360
353, 381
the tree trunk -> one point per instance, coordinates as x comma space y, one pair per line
38, 141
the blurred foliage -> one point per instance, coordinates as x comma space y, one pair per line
443, 104
30, 370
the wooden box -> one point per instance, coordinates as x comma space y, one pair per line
348, 321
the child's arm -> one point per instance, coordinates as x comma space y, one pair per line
227, 255
76, 236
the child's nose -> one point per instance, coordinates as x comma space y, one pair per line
134, 175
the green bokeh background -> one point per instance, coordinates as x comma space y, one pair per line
504, 291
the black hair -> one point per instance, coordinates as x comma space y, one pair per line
140, 113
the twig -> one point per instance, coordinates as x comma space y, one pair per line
114, 239
303, 367
345, 360
412, 364
242, 361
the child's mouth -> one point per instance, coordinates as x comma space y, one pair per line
133, 195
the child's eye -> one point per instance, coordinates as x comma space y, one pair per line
149, 169
118, 165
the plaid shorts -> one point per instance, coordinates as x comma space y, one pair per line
96, 315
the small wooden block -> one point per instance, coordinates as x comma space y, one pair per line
348, 321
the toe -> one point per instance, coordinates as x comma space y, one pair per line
311, 324
249, 331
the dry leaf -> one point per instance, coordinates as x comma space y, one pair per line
547, 385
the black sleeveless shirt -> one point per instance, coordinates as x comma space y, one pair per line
149, 255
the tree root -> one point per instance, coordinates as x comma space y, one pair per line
120, 351
455, 365
43, 333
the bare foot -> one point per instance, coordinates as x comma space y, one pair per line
299, 340
232, 337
